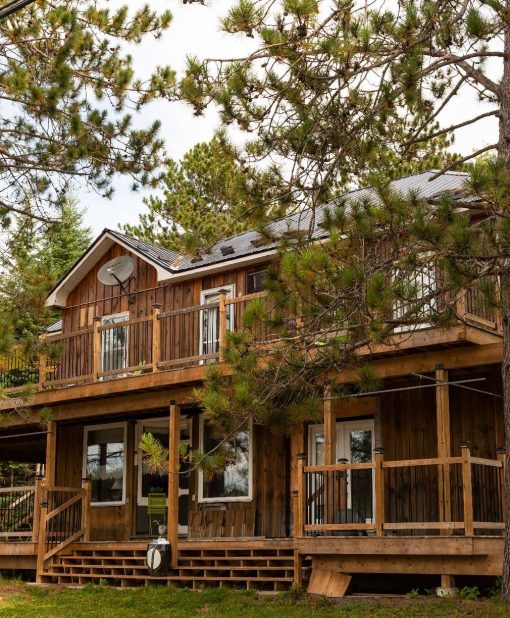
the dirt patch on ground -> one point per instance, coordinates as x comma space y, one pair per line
10, 590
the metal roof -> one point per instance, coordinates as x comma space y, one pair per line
168, 263
53, 328
424, 185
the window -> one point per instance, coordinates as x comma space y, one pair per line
104, 462
255, 281
210, 319
234, 481
114, 344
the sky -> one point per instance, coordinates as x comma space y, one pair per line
195, 30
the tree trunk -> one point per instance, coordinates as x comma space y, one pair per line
504, 101
505, 371
504, 154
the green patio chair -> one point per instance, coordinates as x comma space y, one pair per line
156, 506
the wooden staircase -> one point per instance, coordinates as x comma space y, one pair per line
266, 565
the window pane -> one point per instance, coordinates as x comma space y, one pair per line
233, 480
361, 446
255, 281
105, 463
319, 449
152, 481
360, 442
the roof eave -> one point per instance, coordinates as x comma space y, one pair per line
58, 296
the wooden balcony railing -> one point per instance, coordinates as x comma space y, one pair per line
452, 495
166, 341
163, 341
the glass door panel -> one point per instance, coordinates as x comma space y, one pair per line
210, 319
157, 482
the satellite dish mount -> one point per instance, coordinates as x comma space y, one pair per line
118, 272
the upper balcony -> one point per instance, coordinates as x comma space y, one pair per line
119, 354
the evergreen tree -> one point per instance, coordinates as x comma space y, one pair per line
209, 194
343, 91
67, 88
35, 257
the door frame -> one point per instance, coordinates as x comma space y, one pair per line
139, 499
343, 429
231, 291
125, 315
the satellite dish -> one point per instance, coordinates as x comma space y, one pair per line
117, 272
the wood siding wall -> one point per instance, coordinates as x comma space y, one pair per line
92, 299
270, 483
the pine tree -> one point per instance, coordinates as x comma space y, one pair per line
35, 257
209, 194
67, 89
344, 92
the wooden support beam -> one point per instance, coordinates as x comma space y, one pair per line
299, 518
329, 428
222, 323
501, 456
173, 482
37, 509
467, 488
41, 546
424, 362
85, 514
330, 456
443, 445
297, 445
51, 453
379, 492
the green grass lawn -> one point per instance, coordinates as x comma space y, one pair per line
17, 599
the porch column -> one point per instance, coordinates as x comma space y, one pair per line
329, 428
443, 444
443, 471
330, 478
51, 453
173, 482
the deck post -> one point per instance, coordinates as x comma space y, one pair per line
501, 457
96, 349
41, 546
299, 517
329, 427
443, 446
467, 488
379, 491
51, 453
37, 507
156, 336
85, 513
330, 454
222, 315
43, 365
173, 482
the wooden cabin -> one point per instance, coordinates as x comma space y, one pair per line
406, 481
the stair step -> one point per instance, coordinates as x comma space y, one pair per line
168, 577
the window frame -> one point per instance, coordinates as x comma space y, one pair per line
255, 272
230, 289
249, 497
122, 314
86, 430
